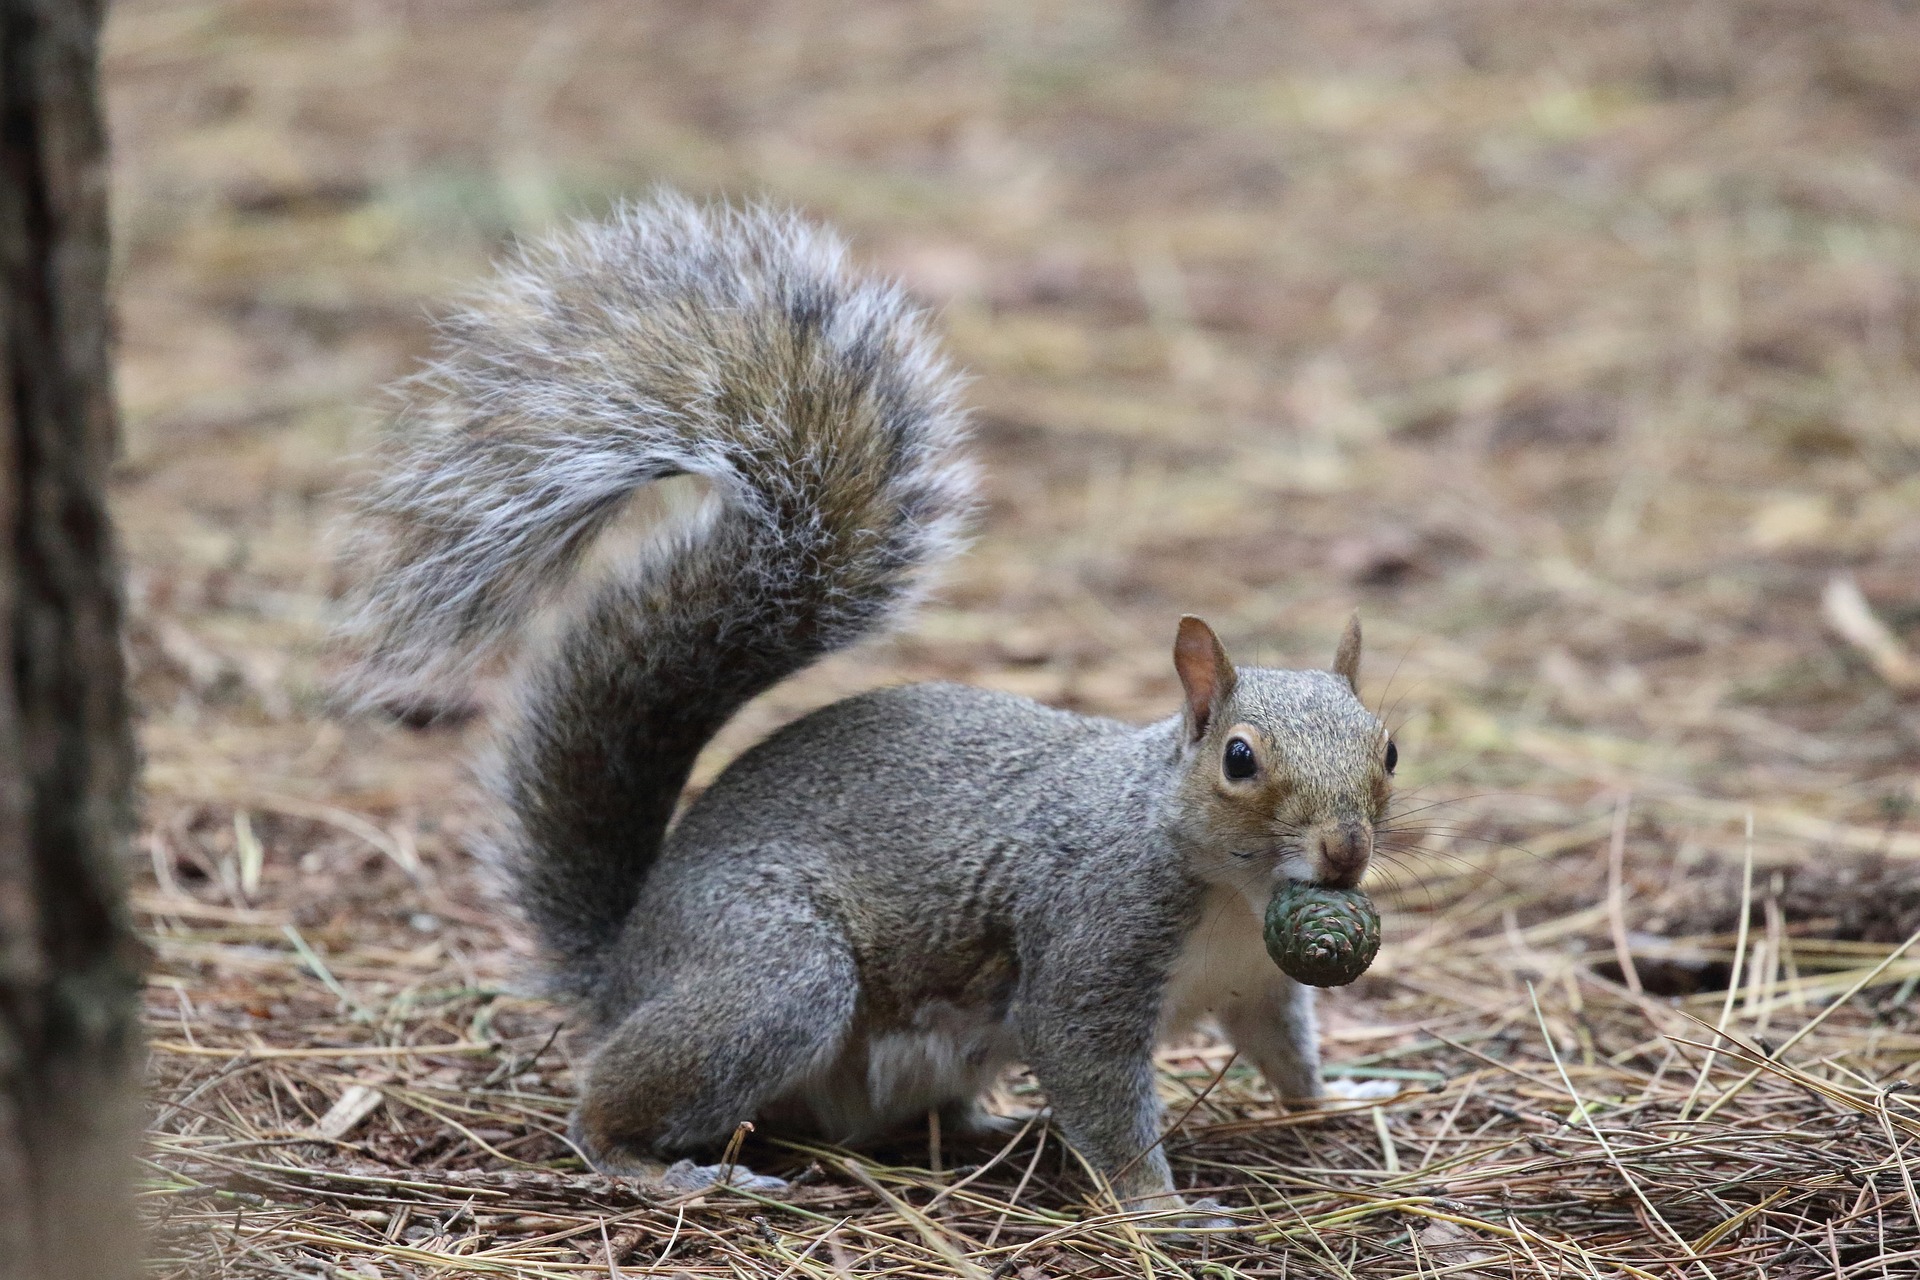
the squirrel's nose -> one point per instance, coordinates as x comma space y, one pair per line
1341, 852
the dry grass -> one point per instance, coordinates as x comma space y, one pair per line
1578, 344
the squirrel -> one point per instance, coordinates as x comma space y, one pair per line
874, 911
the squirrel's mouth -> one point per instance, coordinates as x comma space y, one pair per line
1291, 863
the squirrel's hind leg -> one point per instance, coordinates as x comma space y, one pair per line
733, 1029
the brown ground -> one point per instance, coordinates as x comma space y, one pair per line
1577, 344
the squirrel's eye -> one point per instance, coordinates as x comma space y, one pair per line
1393, 755
1239, 762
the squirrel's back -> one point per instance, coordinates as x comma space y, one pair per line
735, 346
928, 822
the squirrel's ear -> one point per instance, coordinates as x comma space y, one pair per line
1346, 661
1205, 673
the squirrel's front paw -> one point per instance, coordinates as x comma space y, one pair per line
1204, 1214
1347, 1089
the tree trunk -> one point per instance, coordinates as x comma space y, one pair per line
69, 972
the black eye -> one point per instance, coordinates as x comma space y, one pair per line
1240, 763
1393, 755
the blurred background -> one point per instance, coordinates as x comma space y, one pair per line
1576, 344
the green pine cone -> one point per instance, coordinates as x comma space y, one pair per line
1322, 937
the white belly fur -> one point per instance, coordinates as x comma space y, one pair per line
1224, 961
953, 1054
950, 1054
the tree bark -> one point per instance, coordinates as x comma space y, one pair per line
69, 968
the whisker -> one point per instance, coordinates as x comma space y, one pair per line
1392, 676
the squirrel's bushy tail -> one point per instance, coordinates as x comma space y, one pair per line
671, 339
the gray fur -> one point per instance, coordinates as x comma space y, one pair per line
736, 346
873, 911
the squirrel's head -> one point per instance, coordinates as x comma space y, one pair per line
1285, 773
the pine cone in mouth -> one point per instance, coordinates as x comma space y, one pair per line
1322, 937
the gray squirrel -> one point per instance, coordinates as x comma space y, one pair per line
873, 912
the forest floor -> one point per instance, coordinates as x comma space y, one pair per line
1576, 345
